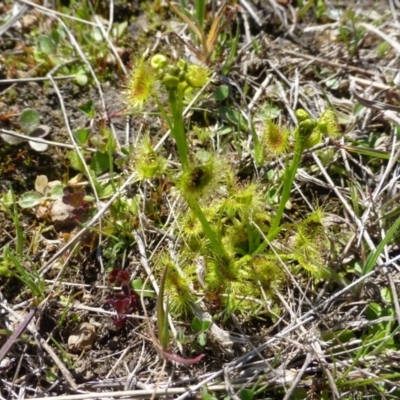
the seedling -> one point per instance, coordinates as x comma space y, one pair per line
103, 142
200, 328
44, 190
125, 301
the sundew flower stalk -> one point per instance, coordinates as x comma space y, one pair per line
302, 135
177, 79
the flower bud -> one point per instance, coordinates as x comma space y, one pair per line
197, 76
302, 115
173, 70
170, 82
305, 128
182, 64
323, 126
158, 62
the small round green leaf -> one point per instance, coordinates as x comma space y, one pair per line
30, 199
29, 120
196, 325
81, 77
88, 109
57, 191
137, 286
55, 36
221, 93
202, 339
46, 45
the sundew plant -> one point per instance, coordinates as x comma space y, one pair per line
230, 223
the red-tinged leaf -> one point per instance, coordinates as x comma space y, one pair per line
68, 190
181, 360
124, 276
134, 301
113, 275
119, 321
77, 213
120, 306
119, 295
72, 198
126, 290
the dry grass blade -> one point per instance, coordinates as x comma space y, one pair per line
16, 334
208, 41
26, 324
162, 314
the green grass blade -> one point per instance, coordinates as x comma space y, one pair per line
384, 155
200, 6
232, 52
19, 233
373, 256
37, 289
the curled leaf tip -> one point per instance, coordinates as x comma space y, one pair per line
181, 360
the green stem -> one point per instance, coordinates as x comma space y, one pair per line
258, 152
175, 100
288, 179
287, 187
302, 133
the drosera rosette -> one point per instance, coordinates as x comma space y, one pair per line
241, 282
310, 245
192, 230
268, 273
244, 215
198, 180
199, 184
258, 277
243, 200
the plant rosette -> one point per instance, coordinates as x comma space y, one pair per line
42, 197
